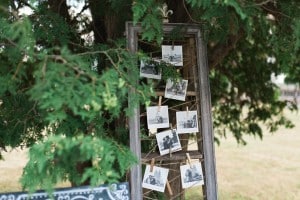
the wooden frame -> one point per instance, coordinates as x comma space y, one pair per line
206, 126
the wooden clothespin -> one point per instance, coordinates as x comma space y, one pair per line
189, 159
159, 102
169, 188
152, 164
187, 112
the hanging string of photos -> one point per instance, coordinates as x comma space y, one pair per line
155, 177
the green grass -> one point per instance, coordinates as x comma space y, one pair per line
267, 169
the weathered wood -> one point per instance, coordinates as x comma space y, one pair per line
188, 93
175, 156
206, 121
203, 98
136, 190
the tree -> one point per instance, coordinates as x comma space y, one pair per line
64, 80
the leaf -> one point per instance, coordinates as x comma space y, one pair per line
199, 3
237, 8
60, 151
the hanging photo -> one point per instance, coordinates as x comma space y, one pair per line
168, 141
187, 121
176, 89
191, 175
172, 54
155, 180
150, 69
157, 117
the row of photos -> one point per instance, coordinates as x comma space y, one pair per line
158, 117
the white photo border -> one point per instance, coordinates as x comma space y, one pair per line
157, 117
159, 176
152, 73
168, 140
191, 175
187, 121
172, 54
176, 90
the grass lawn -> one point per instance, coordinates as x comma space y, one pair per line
267, 169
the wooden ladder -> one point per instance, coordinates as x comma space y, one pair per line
195, 70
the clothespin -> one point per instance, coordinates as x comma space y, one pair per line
152, 164
187, 112
170, 152
189, 159
169, 188
159, 103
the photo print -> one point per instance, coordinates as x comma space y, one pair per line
176, 89
150, 69
172, 54
155, 180
168, 140
187, 121
158, 117
191, 175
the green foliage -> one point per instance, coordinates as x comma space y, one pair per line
118, 5
50, 161
236, 5
68, 84
49, 89
20, 120
149, 15
239, 106
297, 35
49, 28
197, 3
67, 92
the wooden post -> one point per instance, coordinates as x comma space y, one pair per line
136, 190
206, 121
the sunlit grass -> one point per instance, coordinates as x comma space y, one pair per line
267, 169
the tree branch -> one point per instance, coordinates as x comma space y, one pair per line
219, 52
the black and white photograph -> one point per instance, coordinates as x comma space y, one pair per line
150, 69
168, 141
176, 89
157, 117
155, 180
187, 121
172, 54
191, 175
